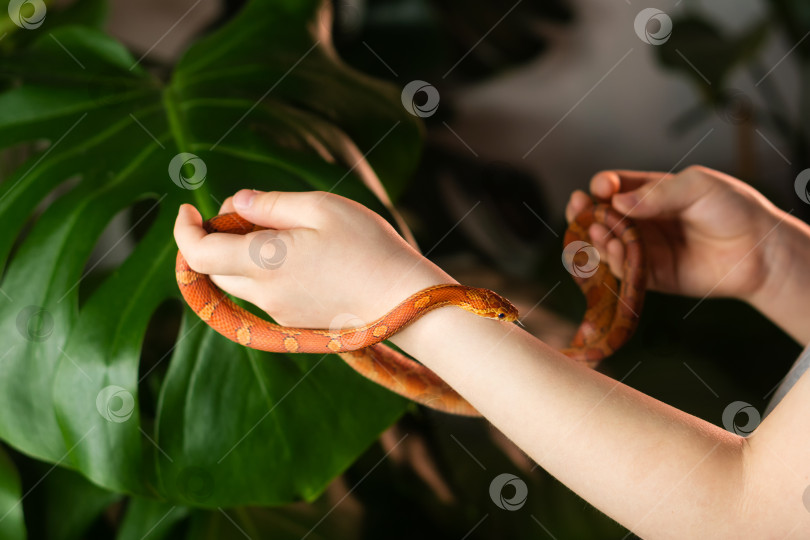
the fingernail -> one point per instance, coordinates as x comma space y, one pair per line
244, 199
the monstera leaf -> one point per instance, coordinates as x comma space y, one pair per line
11, 515
265, 103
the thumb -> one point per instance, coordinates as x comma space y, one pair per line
664, 196
276, 209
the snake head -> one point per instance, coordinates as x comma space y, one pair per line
488, 304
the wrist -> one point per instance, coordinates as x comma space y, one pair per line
405, 277
782, 294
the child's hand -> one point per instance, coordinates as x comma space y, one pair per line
332, 260
703, 229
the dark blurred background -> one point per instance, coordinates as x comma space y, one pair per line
535, 97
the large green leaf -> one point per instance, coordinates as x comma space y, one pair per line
12, 526
147, 518
264, 103
63, 504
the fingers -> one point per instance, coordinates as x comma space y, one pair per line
578, 202
279, 209
664, 195
223, 254
227, 206
238, 286
643, 194
605, 184
610, 247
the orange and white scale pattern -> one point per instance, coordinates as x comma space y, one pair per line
610, 319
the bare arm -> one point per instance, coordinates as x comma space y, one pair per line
653, 468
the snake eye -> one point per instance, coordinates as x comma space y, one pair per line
501, 315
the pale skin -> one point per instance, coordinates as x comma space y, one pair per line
653, 468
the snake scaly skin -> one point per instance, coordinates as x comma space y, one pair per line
610, 318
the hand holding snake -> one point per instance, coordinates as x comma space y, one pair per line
696, 225
610, 319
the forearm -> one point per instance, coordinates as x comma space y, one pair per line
653, 468
783, 298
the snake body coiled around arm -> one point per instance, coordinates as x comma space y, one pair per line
611, 316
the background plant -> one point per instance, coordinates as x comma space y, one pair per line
264, 101
89, 131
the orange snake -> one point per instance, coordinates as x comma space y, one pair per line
610, 319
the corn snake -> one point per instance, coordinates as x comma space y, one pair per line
610, 318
